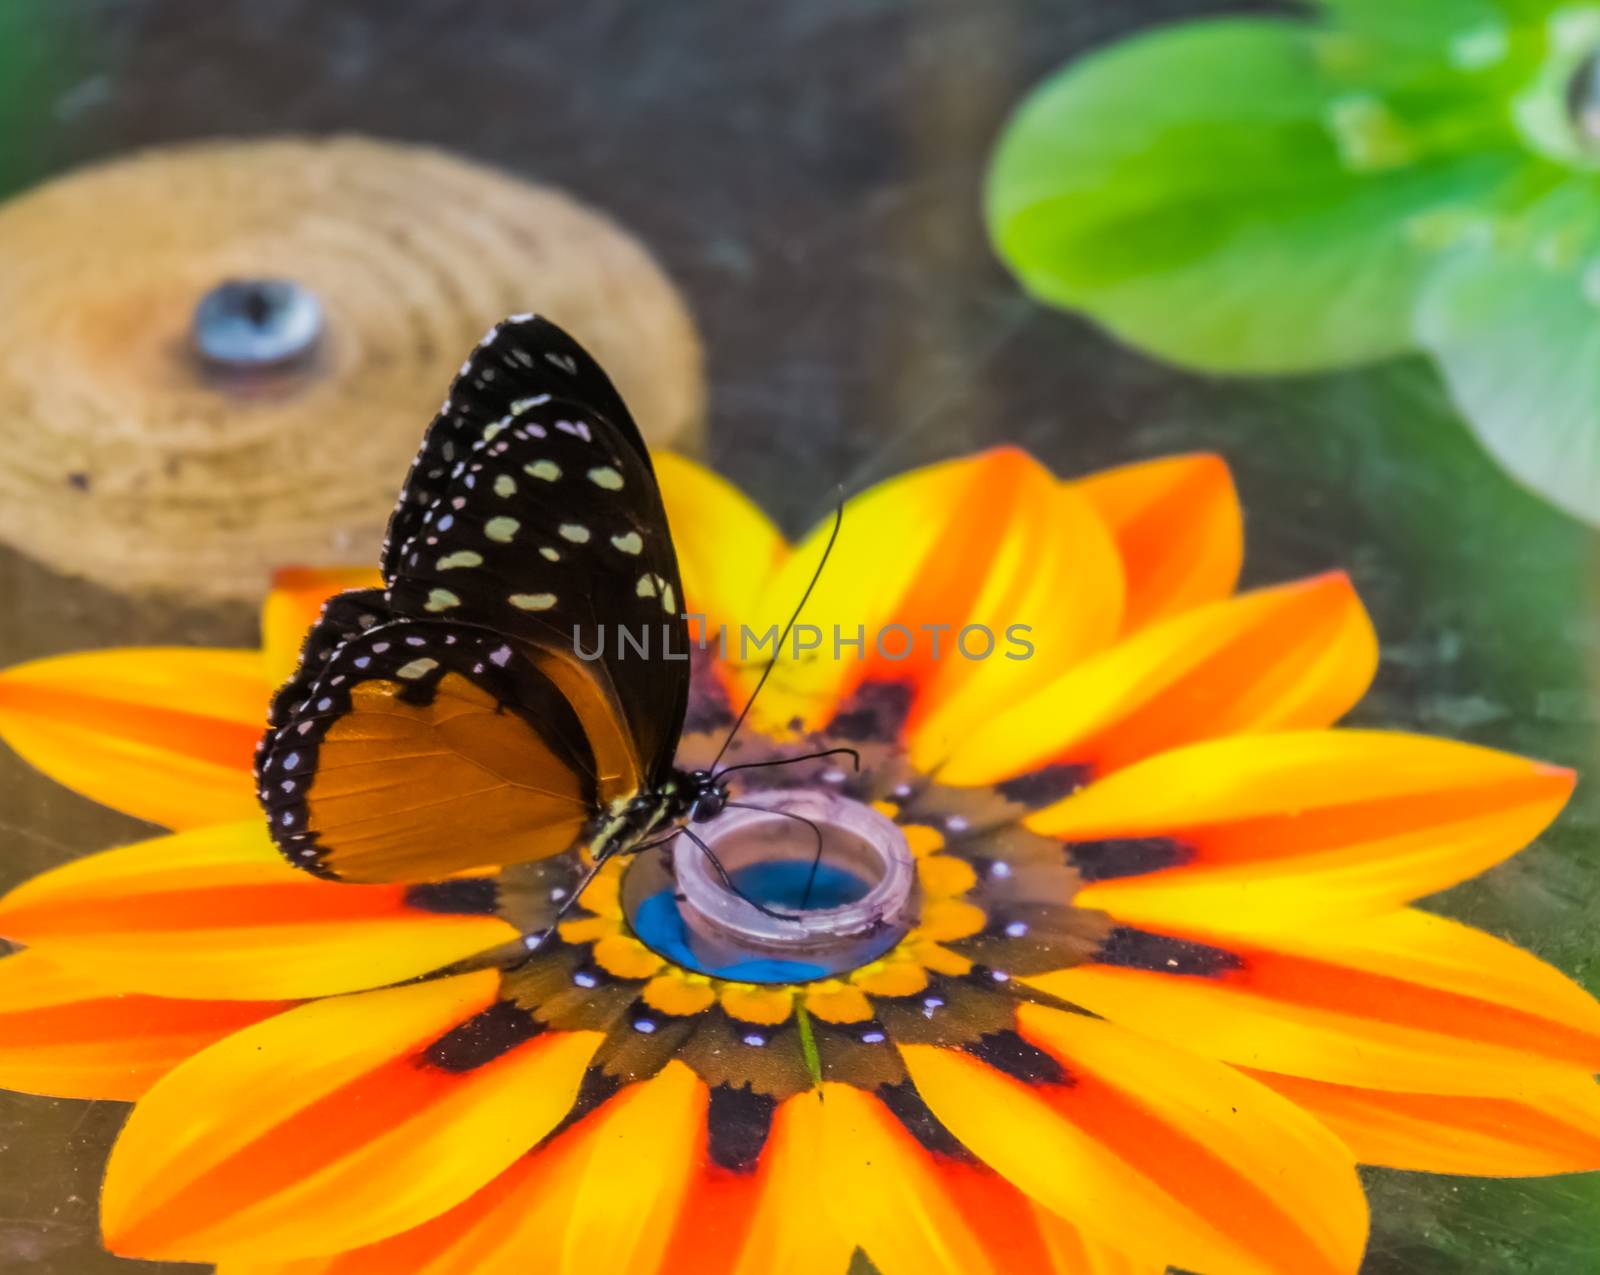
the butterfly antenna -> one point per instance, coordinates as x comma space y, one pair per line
851, 753
833, 536
535, 942
728, 881
816, 859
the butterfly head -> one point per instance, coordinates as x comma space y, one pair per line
705, 794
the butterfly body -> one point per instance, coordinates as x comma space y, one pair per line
454, 719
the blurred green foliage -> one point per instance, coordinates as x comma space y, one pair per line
1276, 195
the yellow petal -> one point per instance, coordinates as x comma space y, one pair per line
886, 1191
728, 550
626, 957
891, 978
163, 734
218, 914
1165, 1156
789, 1228
1407, 1001
754, 1003
1178, 527
601, 1198
836, 1002
986, 543
677, 993
1296, 656
1528, 1134
72, 1036
329, 1127
1073, 1252
1269, 831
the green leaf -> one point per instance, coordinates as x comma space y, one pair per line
1463, 24
1210, 193
1514, 322
808, 1044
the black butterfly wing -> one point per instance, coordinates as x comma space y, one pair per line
521, 359
410, 750
551, 531
526, 665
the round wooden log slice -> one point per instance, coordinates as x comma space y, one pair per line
134, 460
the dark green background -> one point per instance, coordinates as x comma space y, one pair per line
810, 173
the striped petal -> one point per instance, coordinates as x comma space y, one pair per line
1262, 832
292, 607
1544, 1131
1075, 1252
1178, 527
1537, 1132
939, 1209
1408, 1002
600, 1198
780, 1223
72, 1036
218, 913
166, 735
728, 550
990, 542
333, 1125
911, 1218
1300, 655
1161, 1154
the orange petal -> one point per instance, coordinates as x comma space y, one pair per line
75, 1037
784, 1225
163, 734
1178, 526
1074, 1252
990, 542
1530, 1135
332, 1126
1268, 831
599, 1199
293, 606
886, 1192
1158, 1153
218, 913
728, 550
1295, 656
1407, 1001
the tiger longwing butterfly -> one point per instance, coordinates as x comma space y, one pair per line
447, 721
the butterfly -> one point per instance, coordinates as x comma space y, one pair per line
474, 712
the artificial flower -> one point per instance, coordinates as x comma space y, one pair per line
1163, 989
1288, 194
